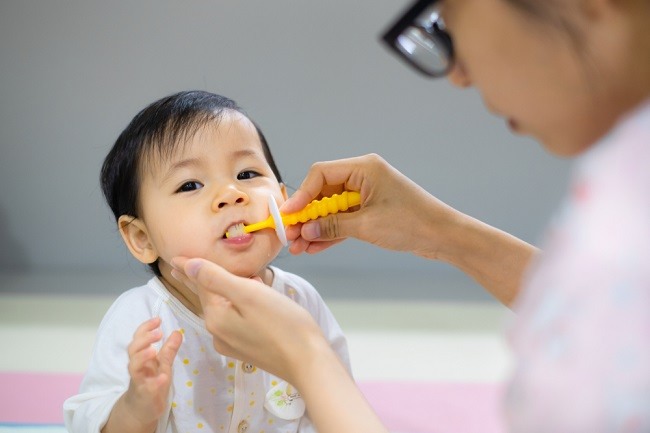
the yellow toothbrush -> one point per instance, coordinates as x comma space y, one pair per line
315, 209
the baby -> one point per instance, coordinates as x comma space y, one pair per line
185, 170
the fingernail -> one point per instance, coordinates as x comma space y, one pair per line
311, 231
192, 268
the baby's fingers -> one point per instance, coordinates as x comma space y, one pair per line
146, 334
142, 355
169, 350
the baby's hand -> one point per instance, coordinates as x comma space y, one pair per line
151, 372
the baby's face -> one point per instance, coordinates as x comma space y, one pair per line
219, 179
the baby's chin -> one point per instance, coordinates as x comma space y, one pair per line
248, 271
252, 268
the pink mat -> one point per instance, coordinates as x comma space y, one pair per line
35, 398
435, 407
409, 407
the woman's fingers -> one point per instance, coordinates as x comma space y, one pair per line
218, 283
242, 316
331, 227
318, 245
381, 188
324, 179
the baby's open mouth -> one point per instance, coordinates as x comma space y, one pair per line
234, 231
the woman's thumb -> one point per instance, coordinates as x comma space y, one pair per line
213, 279
337, 226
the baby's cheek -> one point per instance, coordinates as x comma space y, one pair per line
274, 248
189, 246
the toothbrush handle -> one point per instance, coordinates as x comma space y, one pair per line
323, 207
266, 224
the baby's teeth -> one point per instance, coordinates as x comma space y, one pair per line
236, 230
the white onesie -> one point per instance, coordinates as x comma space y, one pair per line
210, 392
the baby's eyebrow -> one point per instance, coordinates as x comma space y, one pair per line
190, 162
245, 152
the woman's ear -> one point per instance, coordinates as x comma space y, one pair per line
136, 237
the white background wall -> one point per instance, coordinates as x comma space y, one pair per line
311, 73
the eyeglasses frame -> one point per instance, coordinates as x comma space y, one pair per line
408, 19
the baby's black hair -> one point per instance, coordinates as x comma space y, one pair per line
158, 130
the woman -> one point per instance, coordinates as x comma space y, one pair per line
574, 74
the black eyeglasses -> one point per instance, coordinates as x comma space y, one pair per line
419, 38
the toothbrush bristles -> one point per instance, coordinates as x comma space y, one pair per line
236, 231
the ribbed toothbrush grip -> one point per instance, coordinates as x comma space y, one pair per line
323, 207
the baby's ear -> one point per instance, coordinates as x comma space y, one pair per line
136, 237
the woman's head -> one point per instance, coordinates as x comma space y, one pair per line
156, 134
562, 71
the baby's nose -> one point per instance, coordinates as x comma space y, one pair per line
229, 196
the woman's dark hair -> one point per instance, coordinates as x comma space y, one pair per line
158, 130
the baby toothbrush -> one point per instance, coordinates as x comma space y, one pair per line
315, 209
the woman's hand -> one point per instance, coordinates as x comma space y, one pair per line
250, 321
254, 323
395, 212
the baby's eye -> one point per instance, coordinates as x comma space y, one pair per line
248, 174
190, 186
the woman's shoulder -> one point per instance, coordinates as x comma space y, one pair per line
630, 137
618, 165
639, 118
